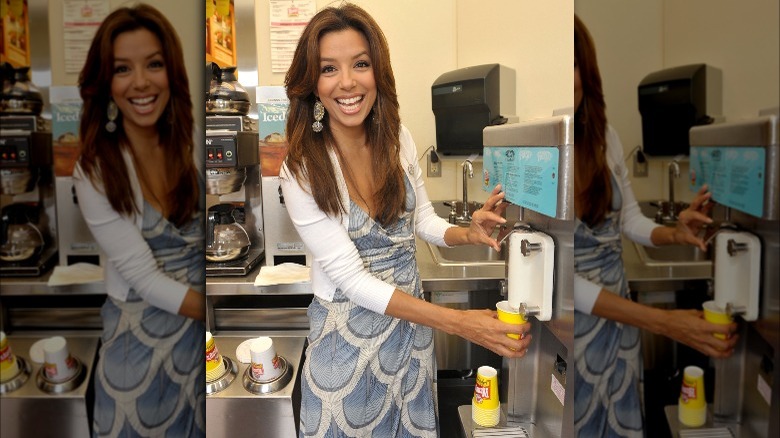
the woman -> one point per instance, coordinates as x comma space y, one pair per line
355, 194
607, 322
140, 194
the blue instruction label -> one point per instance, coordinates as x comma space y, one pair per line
735, 175
528, 175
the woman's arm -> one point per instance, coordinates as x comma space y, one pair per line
478, 326
127, 250
685, 326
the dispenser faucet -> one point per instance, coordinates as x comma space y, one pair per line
674, 172
468, 172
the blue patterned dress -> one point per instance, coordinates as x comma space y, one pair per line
367, 374
149, 377
606, 353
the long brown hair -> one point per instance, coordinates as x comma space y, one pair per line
592, 186
308, 157
101, 151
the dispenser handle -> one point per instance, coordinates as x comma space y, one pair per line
733, 247
527, 247
529, 310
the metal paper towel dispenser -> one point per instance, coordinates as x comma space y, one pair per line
467, 100
672, 101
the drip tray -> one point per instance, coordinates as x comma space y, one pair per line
711, 432
503, 429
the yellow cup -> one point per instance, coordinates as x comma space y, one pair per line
485, 407
512, 316
716, 315
692, 405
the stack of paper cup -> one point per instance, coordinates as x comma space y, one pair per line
58, 364
8, 366
215, 366
485, 407
692, 407
266, 365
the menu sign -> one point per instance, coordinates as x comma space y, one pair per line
220, 32
528, 175
15, 40
735, 175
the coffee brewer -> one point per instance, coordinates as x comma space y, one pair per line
28, 241
234, 196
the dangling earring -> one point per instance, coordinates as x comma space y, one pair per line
319, 113
113, 113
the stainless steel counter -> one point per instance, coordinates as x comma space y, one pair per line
435, 279
14, 286
236, 412
30, 412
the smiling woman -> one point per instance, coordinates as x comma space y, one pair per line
355, 194
141, 196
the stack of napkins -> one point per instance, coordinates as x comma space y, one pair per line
78, 273
286, 273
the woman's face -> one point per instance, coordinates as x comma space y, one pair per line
140, 82
577, 86
346, 85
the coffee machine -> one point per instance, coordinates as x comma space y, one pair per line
234, 198
28, 239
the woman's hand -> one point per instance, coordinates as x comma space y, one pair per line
690, 328
484, 220
483, 327
691, 220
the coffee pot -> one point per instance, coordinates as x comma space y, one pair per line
226, 96
20, 238
19, 95
226, 239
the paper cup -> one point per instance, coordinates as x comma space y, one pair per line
8, 366
716, 315
265, 365
512, 316
485, 406
58, 364
692, 406
215, 366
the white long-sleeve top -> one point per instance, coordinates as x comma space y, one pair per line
336, 263
131, 263
633, 223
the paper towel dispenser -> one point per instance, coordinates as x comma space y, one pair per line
467, 100
672, 101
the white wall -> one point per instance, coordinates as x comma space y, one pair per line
428, 38
636, 37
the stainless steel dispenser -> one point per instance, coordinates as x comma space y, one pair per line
536, 393
740, 161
